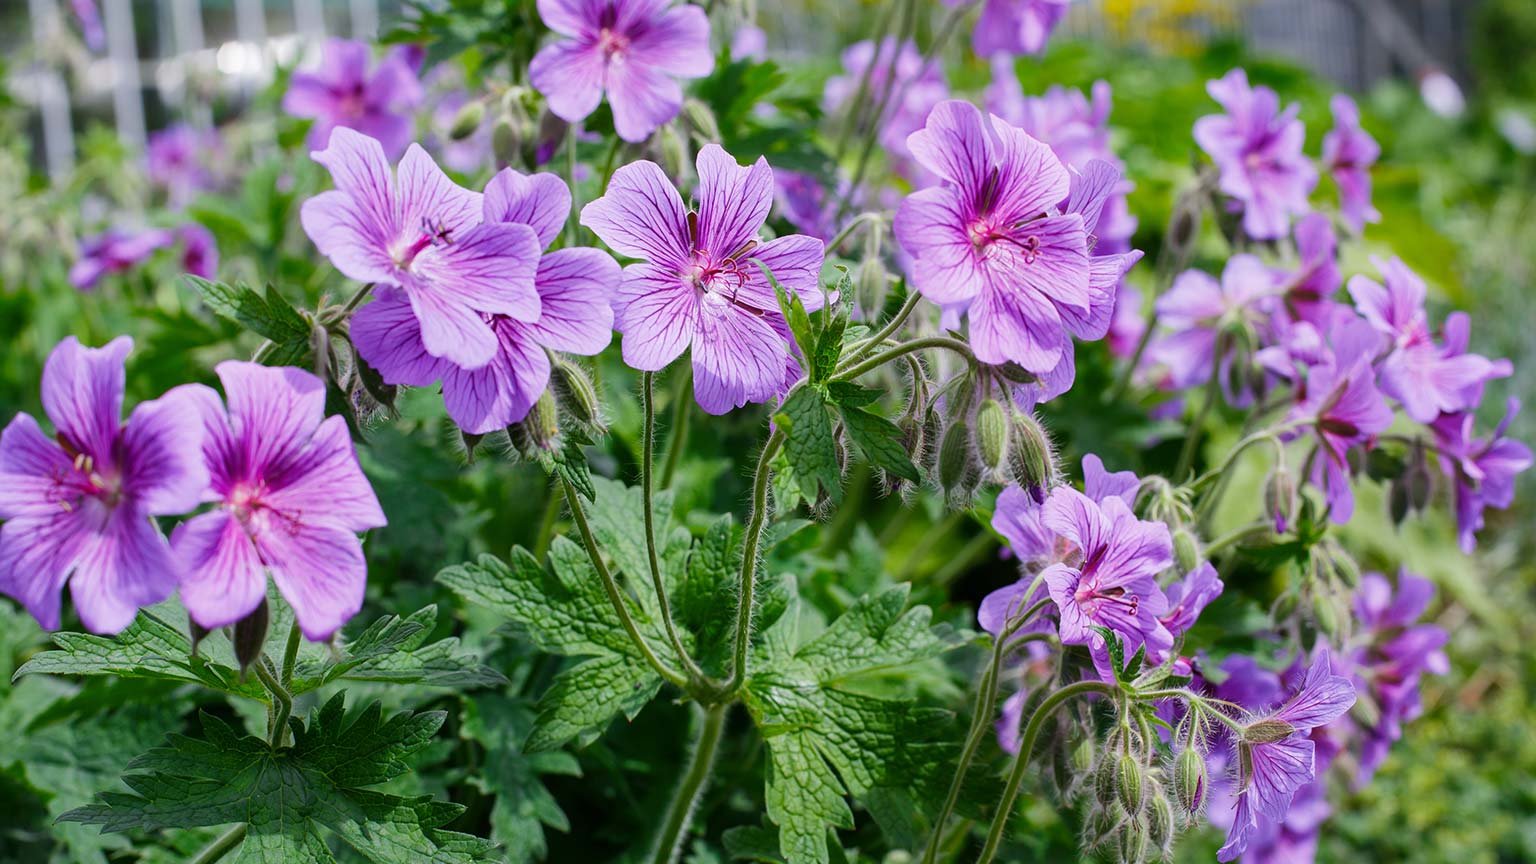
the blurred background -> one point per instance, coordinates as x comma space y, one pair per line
1447, 86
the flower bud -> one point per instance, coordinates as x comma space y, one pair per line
1082, 756
1280, 499
1031, 458
251, 635
1398, 504
574, 390
1160, 824
506, 142
1184, 226
870, 287
1267, 731
198, 632
674, 153
1325, 613
991, 434
467, 120
1365, 711
539, 429
702, 120
1016, 374
1104, 782
956, 470
1186, 551
1189, 780
1284, 608
1344, 566
1133, 842
1129, 787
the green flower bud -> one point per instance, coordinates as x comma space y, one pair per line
198, 632
467, 120
1189, 780
251, 635
1133, 842
574, 390
991, 434
702, 120
539, 429
957, 471
674, 152
1128, 783
870, 286
1104, 781
1325, 613
1186, 551
506, 142
1160, 824
1031, 457
1280, 499
1285, 606
1082, 756
1016, 374
1344, 566
1267, 731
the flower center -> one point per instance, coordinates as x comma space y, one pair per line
1091, 599
244, 500
613, 43
432, 234
87, 479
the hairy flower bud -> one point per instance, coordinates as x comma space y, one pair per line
574, 390
1104, 781
539, 429
1016, 374
956, 470
674, 152
1160, 825
1189, 780
1082, 756
1325, 613
506, 141
467, 120
1186, 551
991, 434
1344, 566
198, 633
1129, 785
1133, 842
251, 635
1031, 457
1267, 731
702, 120
870, 287
1280, 499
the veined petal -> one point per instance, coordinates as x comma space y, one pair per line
738, 357
502, 391
572, 17
31, 466
489, 269
956, 146
931, 227
734, 201
1031, 180
540, 201
676, 42
161, 448
570, 75
83, 394
1016, 325
388, 337
123, 567
642, 216
430, 202
361, 172
353, 238
1323, 697
642, 98
37, 554
222, 577
795, 261
1279, 769
324, 483
451, 330
576, 288
273, 412
658, 314
318, 568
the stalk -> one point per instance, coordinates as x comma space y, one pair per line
647, 458
680, 811
748, 584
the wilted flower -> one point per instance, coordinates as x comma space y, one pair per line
421, 232
987, 238
1483, 469
696, 283
632, 50
116, 252
341, 93
575, 288
1258, 150
1348, 153
291, 500
79, 505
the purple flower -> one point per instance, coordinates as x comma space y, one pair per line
804, 203
1015, 26
1349, 152
1275, 755
423, 234
290, 501
988, 238
78, 505
177, 159
915, 88
1111, 580
696, 283
1483, 470
749, 43
1426, 378
340, 93
575, 288
199, 253
1189, 597
1204, 315
116, 252
1258, 150
1307, 293
1126, 324
1397, 651
630, 49
89, 19
1340, 401
468, 154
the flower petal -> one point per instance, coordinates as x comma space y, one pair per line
571, 76
676, 42
83, 394
502, 391
388, 337
642, 216
930, 225
361, 172
576, 291
642, 98
324, 483
222, 577
273, 412
37, 553
353, 238
734, 201
319, 569
490, 269
657, 313
540, 201
737, 356
31, 466
161, 449
956, 146
795, 261
429, 202
125, 566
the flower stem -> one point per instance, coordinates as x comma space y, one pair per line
1197, 424
677, 435
862, 348
290, 655
1021, 761
282, 702
748, 586
904, 349
853, 225
221, 846
615, 596
680, 811
647, 460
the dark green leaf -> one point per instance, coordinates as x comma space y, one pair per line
809, 447
880, 442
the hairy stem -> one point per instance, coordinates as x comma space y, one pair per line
647, 460
290, 655
862, 348
677, 434
1021, 761
615, 596
282, 702
221, 846
748, 585
680, 811
904, 349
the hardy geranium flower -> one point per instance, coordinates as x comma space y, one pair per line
199, 252
898, 68
341, 93
1428, 379
575, 289
697, 284
1307, 292
1015, 26
1207, 320
116, 252
1111, 581
1483, 470
1275, 756
177, 159
1257, 149
422, 233
1396, 652
290, 501
78, 505
631, 49
1348, 153
988, 238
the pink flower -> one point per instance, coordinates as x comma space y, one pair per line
1258, 149
696, 284
1349, 152
341, 93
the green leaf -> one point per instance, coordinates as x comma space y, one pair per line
880, 441
847, 394
523, 808
395, 650
794, 313
292, 800
810, 449
565, 610
270, 317
753, 843
827, 740
829, 347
